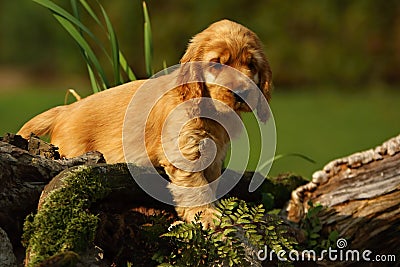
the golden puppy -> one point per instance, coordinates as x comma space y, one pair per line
96, 122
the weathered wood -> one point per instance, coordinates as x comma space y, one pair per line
362, 194
7, 257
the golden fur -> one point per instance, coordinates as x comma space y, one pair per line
96, 122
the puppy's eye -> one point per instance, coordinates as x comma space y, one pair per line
217, 66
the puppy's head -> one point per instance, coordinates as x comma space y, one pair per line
229, 43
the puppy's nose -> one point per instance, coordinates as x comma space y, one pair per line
241, 95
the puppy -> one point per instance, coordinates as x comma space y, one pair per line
97, 122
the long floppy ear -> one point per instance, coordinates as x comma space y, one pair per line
265, 85
191, 53
191, 73
191, 81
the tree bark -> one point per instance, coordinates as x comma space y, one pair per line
24, 174
362, 196
7, 257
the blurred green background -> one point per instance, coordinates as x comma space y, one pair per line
336, 64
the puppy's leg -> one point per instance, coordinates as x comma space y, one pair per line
192, 194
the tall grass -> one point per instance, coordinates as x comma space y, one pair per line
71, 21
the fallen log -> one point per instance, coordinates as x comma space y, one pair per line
27, 170
7, 257
361, 194
127, 225
24, 174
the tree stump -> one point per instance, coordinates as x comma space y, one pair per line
362, 196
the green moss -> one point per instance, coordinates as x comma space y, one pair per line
63, 222
276, 191
62, 259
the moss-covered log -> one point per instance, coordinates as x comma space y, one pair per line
102, 205
23, 175
63, 223
110, 192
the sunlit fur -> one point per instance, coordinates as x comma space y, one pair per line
95, 122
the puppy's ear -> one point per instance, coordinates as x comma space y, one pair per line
191, 81
191, 72
190, 53
193, 51
265, 85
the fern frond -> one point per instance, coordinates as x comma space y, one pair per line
238, 224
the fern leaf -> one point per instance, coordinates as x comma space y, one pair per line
249, 226
229, 231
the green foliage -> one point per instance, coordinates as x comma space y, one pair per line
312, 227
63, 223
62, 259
73, 24
148, 42
275, 191
236, 227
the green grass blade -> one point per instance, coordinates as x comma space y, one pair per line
69, 20
114, 47
148, 41
62, 12
280, 156
122, 60
69, 27
75, 9
93, 81
125, 67
90, 11
165, 70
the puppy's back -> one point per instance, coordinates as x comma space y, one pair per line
93, 123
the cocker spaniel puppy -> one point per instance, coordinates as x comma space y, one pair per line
96, 122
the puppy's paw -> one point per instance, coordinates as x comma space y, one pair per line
208, 216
